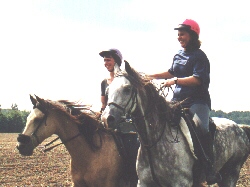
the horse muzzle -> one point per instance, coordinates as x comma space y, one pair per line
25, 145
111, 122
111, 117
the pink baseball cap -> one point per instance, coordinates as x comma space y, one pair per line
189, 24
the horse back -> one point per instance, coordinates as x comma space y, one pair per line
231, 139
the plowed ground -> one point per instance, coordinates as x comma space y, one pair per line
51, 168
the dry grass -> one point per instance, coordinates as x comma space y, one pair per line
40, 169
51, 168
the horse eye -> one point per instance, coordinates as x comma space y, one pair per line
127, 89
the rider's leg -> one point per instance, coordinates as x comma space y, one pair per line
131, 144
202, 112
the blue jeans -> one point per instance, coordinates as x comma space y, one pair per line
201, 112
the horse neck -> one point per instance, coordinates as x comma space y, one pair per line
155, 119
83, 157
67, 130
151, 122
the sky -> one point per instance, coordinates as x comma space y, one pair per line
50, 48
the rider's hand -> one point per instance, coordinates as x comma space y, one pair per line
150, 77
98, 115
169, 82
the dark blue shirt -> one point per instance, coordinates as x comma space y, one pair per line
194, 63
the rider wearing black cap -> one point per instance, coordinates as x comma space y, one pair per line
112, 61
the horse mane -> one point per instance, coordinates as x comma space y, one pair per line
87, 124
156, 103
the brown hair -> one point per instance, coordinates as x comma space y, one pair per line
194, 42
115, 57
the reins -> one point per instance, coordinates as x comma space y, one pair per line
148, 147
63, 142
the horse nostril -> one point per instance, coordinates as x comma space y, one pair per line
20, 147
111, 119
111, 122
23, 138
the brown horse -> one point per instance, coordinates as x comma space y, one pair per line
95, 159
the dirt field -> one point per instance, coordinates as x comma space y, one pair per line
51, 168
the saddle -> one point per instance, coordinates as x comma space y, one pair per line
191, 130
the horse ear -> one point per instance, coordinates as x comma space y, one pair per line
127, 67
33, 100
39, 100
116, 68
41, 104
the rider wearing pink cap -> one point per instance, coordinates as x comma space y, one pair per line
190, 73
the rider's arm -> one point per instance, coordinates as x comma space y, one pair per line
104, 103
163, 75
103, 94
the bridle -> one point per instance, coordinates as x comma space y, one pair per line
39, 125
133, 98
52, 141
129, 117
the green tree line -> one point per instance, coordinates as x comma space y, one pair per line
240, 117
13, 120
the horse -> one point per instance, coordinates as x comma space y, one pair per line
166, 157
95, 158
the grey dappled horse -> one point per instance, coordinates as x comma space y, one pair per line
165, 157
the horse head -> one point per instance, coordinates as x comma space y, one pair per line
125, 94
36, 128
